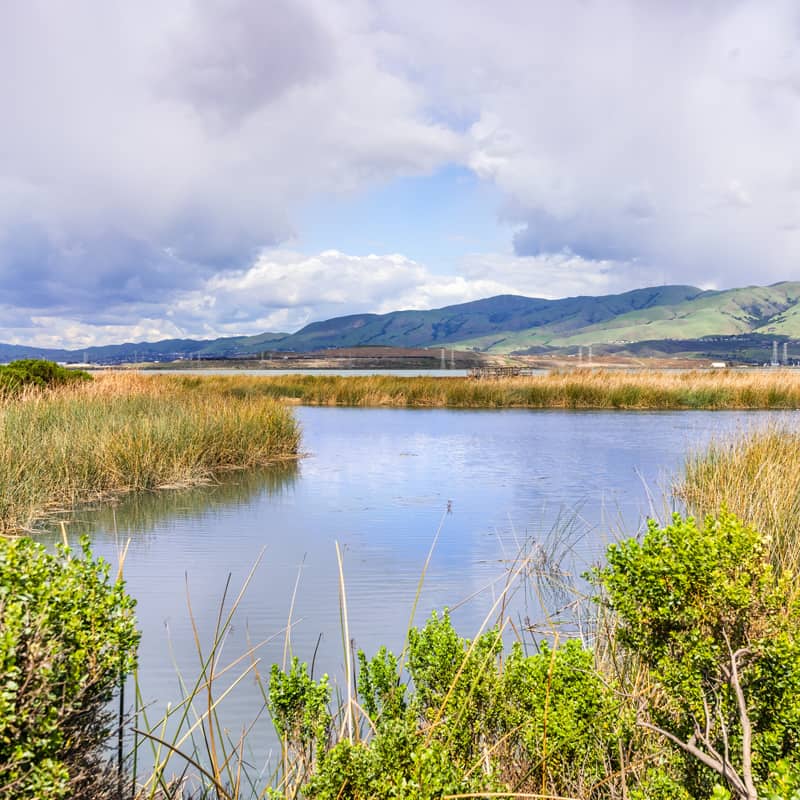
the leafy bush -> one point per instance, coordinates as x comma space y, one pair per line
36, 372
718, 632
465, 719
299, 709
783, 782
67, 635
697, 696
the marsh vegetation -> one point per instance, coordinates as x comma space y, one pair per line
755, 475
578, 389
682, 683
88, 440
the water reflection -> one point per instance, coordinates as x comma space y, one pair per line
140, 513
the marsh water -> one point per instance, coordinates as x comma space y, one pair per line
381, 482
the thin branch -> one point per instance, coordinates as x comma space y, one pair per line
722, 769
744, 718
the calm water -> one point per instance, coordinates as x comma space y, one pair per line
380, 482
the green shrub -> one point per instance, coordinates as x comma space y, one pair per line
299, 709
36, 372
698, 696
783, 782
464, 719
718, 632
67, 635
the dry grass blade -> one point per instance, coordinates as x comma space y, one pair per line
216, 753
347, 649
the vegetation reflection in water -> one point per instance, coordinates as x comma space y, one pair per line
141, 512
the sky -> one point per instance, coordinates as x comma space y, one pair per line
205, 168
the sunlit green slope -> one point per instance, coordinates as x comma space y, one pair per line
756, 309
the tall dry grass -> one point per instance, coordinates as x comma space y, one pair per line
580, 389
127, 432
756, 476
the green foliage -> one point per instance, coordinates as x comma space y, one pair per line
67, 635
299, 709
36, 372
396, 763
704, 611
783, 782
660, 783
571, 724
457, 684
466, 719
382, 693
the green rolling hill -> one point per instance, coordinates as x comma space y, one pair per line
770, 310
490, 319
503, 324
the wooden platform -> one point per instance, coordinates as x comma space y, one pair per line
499, 372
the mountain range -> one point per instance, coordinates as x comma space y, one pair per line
502, 324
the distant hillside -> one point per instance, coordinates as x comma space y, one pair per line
495, 316
770, 310
164, 350
502, 324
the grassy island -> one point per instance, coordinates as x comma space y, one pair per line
87, 440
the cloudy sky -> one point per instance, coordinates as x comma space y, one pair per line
214, 167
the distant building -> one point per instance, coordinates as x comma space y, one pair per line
718, 365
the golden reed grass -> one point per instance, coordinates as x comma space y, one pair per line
127, 432
581, 389
756, 476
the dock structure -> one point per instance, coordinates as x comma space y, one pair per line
498, 372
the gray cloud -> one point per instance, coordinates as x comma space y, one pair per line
147, 147
233, 57
661, 131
